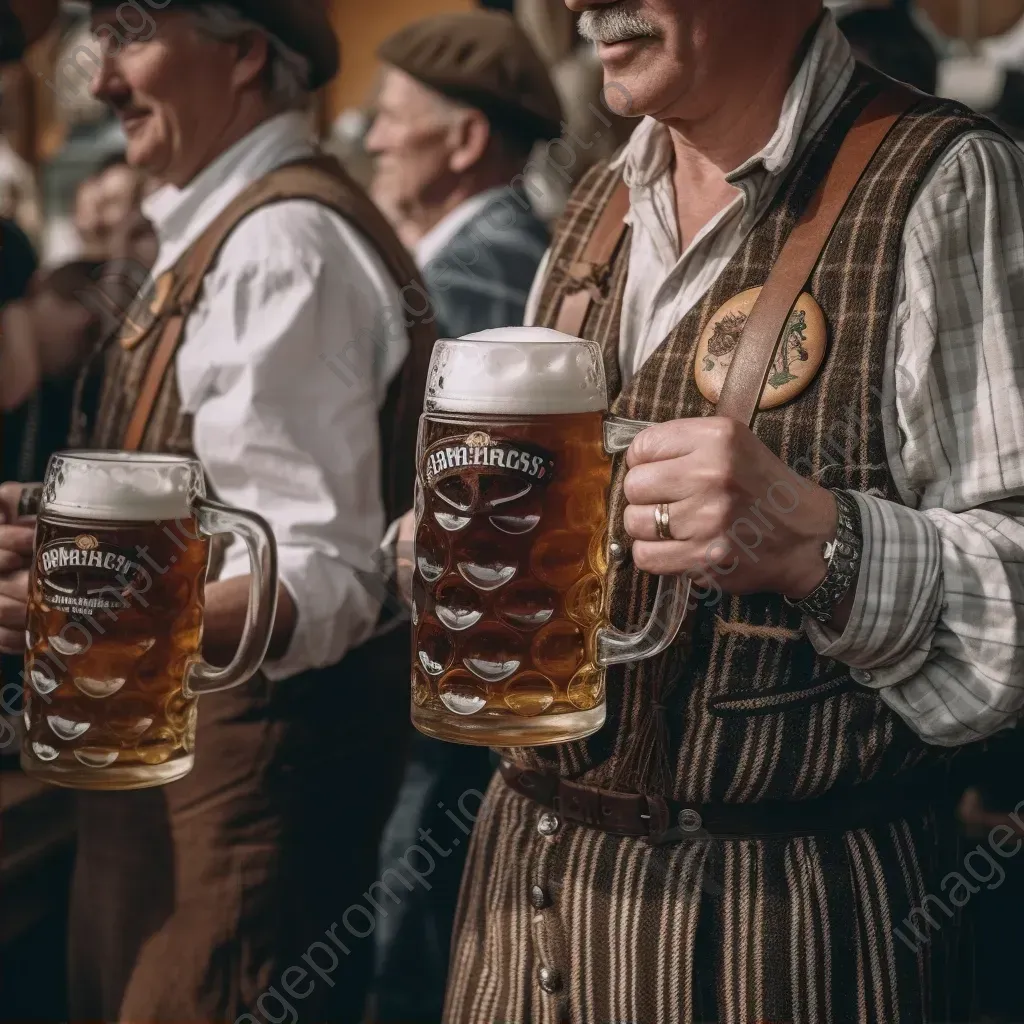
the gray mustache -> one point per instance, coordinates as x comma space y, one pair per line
614, 25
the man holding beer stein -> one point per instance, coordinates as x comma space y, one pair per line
274, 364
809, 278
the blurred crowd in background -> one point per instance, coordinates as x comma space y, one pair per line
82, 245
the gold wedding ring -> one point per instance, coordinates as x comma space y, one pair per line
661, 523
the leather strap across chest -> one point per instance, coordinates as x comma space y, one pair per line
756, 350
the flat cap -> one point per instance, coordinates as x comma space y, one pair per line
302, 25
485, 60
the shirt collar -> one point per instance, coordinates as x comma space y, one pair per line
819, 85
180, 216
431, 244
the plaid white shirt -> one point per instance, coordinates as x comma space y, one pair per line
938, 620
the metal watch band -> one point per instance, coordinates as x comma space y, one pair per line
842, 557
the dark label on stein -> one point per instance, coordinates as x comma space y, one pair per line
80, 575
480, 451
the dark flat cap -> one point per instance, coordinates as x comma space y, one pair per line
302, 25
482, 59
23, 22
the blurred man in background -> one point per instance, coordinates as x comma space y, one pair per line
104, 201
464, 99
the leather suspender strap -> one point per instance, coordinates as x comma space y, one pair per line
757, 346
590, 272
189, 276
157, 369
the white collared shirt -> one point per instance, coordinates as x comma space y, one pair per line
937, 626
655, 302
278, 431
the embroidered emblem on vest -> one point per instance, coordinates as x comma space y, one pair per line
797, 362
145, 311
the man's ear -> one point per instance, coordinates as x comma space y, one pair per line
472, 137
253, 58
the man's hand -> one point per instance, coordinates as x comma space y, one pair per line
741, 520
17, 538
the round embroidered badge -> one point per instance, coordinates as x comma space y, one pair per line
797, 362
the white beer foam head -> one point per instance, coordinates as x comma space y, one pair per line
518, 371
122, 486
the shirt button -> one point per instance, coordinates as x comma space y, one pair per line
616, 553
690, 820
861, 677
550, 979
549, 824
538, 898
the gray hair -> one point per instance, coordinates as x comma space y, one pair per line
288, 72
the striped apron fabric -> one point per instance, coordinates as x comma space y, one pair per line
742, 710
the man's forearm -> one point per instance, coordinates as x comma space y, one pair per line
227, 604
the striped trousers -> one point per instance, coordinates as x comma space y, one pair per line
582, 927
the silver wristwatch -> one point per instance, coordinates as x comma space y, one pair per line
842, 560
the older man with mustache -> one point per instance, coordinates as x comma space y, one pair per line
811, 281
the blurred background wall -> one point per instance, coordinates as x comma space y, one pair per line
361, 33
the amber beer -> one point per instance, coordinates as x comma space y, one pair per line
115, 619
511, 635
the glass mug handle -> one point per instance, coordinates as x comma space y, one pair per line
613, 646
213, 518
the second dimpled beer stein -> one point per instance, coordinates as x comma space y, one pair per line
515, 464
115, 618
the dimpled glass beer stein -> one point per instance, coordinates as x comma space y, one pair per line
115, 618
512, 638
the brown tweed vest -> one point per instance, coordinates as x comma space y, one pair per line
744, 709
123, 363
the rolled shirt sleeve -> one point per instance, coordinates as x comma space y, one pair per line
937, 625
280, 430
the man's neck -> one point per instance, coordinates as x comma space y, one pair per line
426, 215
246, 120
740, 124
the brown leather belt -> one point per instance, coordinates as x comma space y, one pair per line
659, 820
